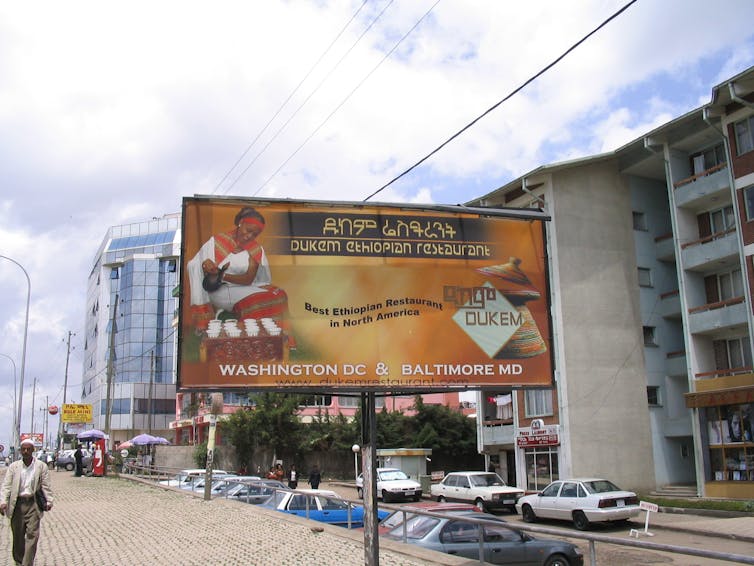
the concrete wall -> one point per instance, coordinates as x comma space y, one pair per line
602, 365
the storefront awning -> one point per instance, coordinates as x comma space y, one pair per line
732, 396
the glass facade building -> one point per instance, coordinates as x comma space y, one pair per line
129, 322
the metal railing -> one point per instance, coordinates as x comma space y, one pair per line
592, 538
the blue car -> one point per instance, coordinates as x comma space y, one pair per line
320, 505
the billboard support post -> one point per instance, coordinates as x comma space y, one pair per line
369, 473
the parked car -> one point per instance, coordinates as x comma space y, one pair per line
582, 501
320, 505
397, 517
392, 484
66, 460
486, 490
501, 544
254, 492
186, 478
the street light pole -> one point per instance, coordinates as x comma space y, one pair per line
12, 448
355, 449
20, 398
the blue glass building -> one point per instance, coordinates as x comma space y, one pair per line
137, 266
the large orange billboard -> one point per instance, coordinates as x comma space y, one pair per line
318, 296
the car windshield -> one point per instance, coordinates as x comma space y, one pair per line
391, 475
600, 486
486, 480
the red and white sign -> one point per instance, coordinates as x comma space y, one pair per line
547, 435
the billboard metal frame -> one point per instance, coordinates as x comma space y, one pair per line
333, 263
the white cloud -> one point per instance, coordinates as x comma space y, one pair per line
111, 115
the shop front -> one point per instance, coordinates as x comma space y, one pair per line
725, 409
539, 450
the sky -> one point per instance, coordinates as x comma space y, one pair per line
111, 115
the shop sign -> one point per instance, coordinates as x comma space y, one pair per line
543, 435
76, 413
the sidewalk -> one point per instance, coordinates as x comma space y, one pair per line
111, 522
699, 522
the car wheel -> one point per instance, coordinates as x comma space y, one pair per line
417, 497
528, 514
479, 504
360, 493
69, 467
441, 499
557, 560
580, 521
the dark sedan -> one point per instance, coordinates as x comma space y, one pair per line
501, 544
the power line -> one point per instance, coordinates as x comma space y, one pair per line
514, 92
348, 96
285, 102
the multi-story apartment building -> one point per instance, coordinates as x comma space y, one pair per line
651, 275
130, 340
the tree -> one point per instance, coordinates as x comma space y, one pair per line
275, 423
239, 431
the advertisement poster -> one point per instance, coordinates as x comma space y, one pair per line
280, 294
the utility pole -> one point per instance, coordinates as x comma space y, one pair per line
46, 429
65, 391
33, 399
110, 368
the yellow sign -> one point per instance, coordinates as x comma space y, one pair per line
76, 413
279, 294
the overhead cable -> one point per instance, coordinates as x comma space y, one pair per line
514, 92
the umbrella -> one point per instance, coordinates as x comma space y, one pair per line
124, 445
91, 434
143, 439
161, 440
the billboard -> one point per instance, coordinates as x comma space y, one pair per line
76, 413
332, 296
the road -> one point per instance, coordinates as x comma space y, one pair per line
615, 554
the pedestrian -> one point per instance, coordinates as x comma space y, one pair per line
314, 477
78, 456
292, 477
24, 481
279, 472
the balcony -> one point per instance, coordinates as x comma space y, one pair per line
714, 317
699, 191
497, 433
670, 305
665, 247
675, 363
720, 248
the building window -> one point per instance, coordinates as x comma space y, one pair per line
645, 277
732, 354
318, 401
653, 396
707, 159
749, 202
538, 402
650, 335
640, 221
114, 273
716, 221
744, 135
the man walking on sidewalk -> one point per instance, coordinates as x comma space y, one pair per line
20, 502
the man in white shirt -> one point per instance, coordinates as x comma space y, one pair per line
17, 502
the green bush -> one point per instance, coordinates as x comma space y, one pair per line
711, 504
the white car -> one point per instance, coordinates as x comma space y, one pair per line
392, 484
486, 490
186, 479
583, 501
